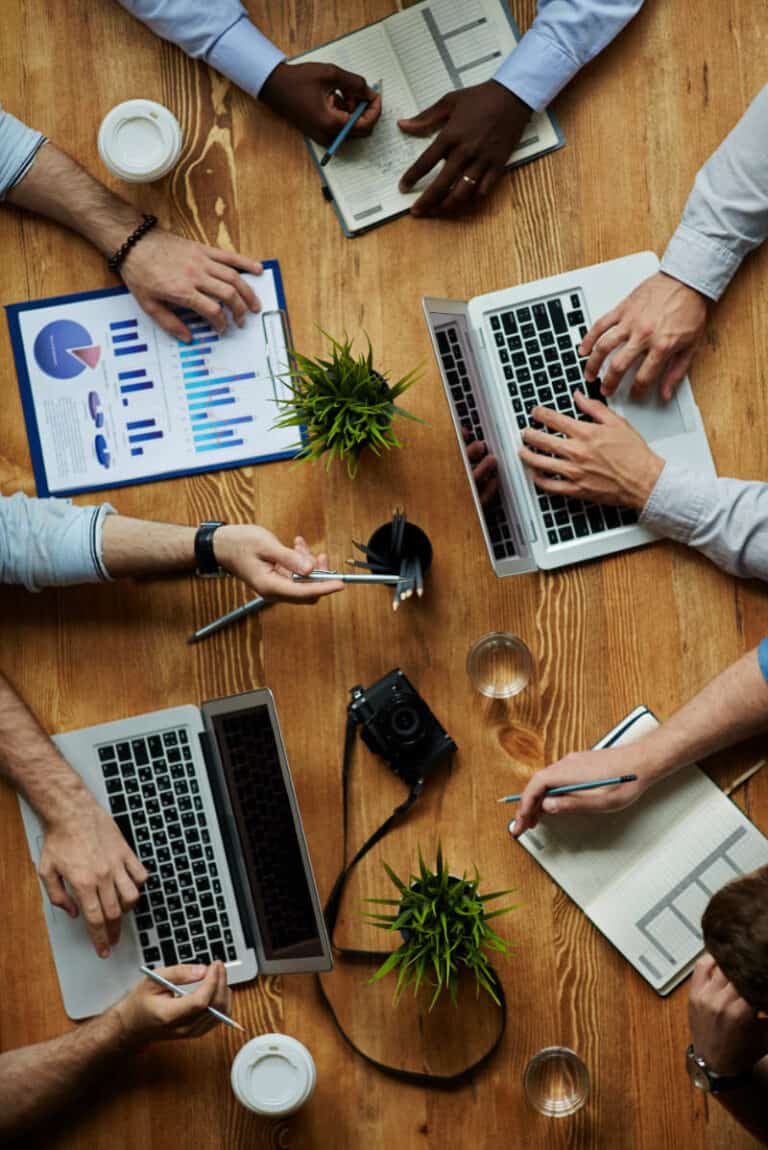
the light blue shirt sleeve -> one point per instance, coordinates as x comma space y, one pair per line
217, 31
49, 542
726, 215
565, 35
18, 147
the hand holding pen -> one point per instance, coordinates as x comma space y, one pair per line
579, 768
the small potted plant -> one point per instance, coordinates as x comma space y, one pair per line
445, 927
343, 403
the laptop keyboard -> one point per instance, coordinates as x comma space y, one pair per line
154, 798
465, 406
537, 348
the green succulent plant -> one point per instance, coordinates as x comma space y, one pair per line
445, 926
344, 404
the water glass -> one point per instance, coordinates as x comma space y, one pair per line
499, 665
556, 1082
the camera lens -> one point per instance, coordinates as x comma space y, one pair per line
405, 722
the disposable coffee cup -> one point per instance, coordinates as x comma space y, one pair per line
273, 1075
140, 141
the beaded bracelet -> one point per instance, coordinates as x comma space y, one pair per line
117, 258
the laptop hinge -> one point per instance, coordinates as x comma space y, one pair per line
229, 839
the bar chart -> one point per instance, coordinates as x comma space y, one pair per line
125, 338
214, 403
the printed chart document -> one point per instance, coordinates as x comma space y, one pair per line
645, 874
110, 399
418, 56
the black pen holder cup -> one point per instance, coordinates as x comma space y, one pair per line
416, 545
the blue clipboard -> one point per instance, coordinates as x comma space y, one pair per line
325, 187
13, 312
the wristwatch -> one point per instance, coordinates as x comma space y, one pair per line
205, 559
708, 1080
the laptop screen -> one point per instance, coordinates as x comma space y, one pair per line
271, 838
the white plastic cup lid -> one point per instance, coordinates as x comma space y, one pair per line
273, 1074
140, 140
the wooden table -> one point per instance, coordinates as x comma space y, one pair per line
652, 625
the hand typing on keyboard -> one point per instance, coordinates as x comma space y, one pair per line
478, 129
604, 460
150, 1011
86, 850
484, 467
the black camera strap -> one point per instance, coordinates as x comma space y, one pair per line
332, 907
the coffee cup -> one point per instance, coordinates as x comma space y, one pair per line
140, 141
273, 1075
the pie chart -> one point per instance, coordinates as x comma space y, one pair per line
63, 349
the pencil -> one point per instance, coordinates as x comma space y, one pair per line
248, 608
158, 978
341, 137
744, 778
576, 787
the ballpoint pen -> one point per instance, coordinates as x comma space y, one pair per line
575, 787
248, 608
341, 137
343, 577
158, 978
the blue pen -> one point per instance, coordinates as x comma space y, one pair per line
333, 148
576, 787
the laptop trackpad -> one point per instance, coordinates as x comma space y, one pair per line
652, 418
90, 984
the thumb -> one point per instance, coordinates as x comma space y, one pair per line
425, 123
353, 87
191, 1004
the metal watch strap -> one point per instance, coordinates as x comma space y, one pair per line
716, 1083
205, 559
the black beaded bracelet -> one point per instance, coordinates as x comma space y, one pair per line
117, 258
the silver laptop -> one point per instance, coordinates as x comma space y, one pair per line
503, 353
205, 799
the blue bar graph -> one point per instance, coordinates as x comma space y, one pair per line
189, 351
201, 392
131, 374
136, 424
137, 347
233, 378
218, 446
199, 415
194, 362
145, 436
137, 451
212, 403
199, 325
196, 374
121, 323
128, 387
213, 435
225, 422
129, 336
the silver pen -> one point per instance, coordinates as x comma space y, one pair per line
231, 617
158, 978
343, 577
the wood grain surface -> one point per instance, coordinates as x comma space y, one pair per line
649, 626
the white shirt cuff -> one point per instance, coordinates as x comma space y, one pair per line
676, 504
700, 262
246, 56
536, 70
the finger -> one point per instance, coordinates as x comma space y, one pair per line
94, 921
127, 892
555, 486
425, 123
298, 558
546, 463
648, 373
432, 155
136, 870
464, 191
488, 180
167, 320
601, 349
110, 904
209, 309
702, 971
352, 86
476, 451
430, 201
367, 121
485, 470
189, 1006
556, 420
222, 995
551, 444
274, 585
243, 289
620, 364
675, 373
226, 294
58, 893
599, 412
598, 328
235, 260
181, 975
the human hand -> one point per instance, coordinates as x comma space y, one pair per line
85, 849
260, 559
583, 767
484, 467
606, 461
149, 1011
479, 127
165, 269
661, 323
725, 1031
318, 99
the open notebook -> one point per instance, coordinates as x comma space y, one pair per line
419, 55
644, 875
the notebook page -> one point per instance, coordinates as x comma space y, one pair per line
364, 173
444, 45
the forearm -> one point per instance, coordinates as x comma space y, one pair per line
135, 547
748, 1104
32, 763
57, 187
730, 708
35, 1081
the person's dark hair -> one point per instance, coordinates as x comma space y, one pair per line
735, 928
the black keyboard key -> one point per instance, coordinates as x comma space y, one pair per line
186, 753
575, 318
126, 830
124, 752
540, 316
527, 391
580, 526
174, 755
562, 517
523, 375
185, 878
514, 343
135, 802
550, 354
132, 786
545, 395
508, 321
582, 332
169, 739
575, 301
569, 358
560, 387
218, 951
216, 884
564, 342
546, 339
593, 390
110, 770
106, 754
170, 956
519, 360
155, 746
144, 921
528, 331
556, 371
189, 895
442, 342
566, 534
114, 786
540, 378
557, 315
531, 347
210, 916
536, 363
553, 537
499, 338
164, 930
504, 355
595, 518
152, 954
140, 756
178, 847
524, 314
495, 322
178, 919
167, 799
611, 516
573, 375
627, 516
214, 930
231, 954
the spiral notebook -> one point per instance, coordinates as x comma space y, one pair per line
644, 875
417, 55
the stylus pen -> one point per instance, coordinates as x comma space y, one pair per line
576, 787
334, 147
158, 978
231, 617
343, 577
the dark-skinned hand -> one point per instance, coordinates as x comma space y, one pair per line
318, 99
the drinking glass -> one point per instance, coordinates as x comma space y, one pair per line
499, 665
556, 1082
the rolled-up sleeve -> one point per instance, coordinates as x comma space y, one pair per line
18, 147
565, 35
49, 542
218, 32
